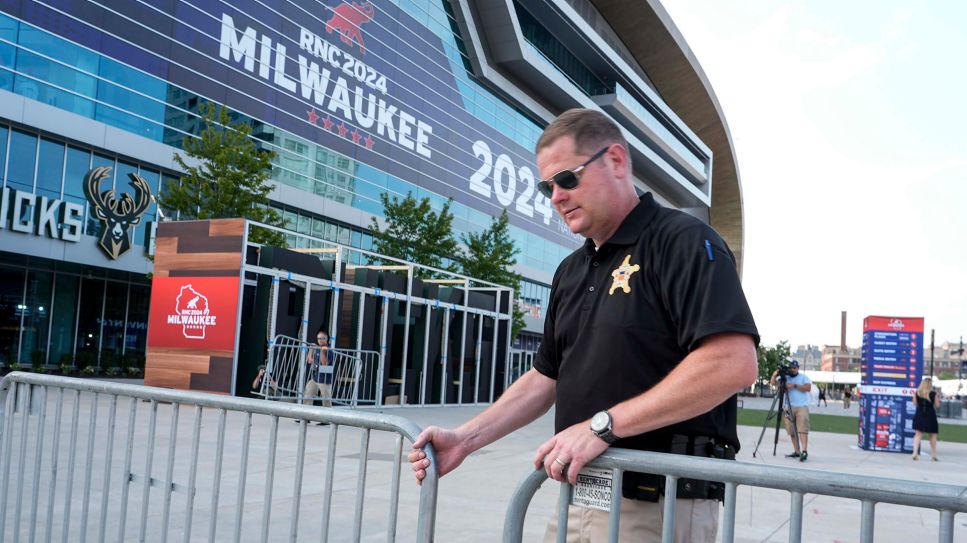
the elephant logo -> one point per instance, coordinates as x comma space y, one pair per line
347, 20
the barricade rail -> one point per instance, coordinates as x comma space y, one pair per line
947, 499
43, 493
291, 362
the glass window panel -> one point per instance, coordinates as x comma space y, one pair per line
154, 179
78, 164
3, 151
113, 329
23, 159
36, 318
8, 52
50, 168
11, 308
356, 238
89, 322
166, 181
304, 224
318, 227
290, 219
136, 336
41, 42
64, 315
343, 236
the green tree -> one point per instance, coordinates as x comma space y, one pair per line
489, 256
231, 179
415, 233
770, 357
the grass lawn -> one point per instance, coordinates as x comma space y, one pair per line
844, 424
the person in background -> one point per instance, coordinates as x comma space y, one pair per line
925, 419
847, 396
822, 396
319, 382
798, 386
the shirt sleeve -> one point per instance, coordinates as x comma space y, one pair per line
701, 287
547, 360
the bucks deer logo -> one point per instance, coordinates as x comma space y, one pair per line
116, 214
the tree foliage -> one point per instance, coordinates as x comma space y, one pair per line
490, 256
416, 233
769, 358
231, 179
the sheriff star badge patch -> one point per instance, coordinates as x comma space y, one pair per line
622, 276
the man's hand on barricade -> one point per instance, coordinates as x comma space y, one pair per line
448, 448
572, 448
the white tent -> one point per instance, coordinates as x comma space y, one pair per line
834, 377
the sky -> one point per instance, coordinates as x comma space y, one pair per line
849, 122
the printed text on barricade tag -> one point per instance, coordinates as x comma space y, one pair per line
593, 489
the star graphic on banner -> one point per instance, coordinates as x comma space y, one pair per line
342, 130
327, 123
369, 142
356, 136
312, 116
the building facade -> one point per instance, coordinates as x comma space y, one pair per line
443, 99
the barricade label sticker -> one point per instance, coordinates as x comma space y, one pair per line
593, 489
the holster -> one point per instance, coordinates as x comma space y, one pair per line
649, 486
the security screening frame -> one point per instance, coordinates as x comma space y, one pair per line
219, 300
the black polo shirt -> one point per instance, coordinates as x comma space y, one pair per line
620, 318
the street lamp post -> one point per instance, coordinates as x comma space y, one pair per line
960, 371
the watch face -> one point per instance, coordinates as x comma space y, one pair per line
599, 422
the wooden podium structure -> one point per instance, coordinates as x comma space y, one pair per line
195, 300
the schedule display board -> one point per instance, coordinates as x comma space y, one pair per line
891, 370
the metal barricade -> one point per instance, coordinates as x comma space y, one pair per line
143, 474
291, 362
948, 500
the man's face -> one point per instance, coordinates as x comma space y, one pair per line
587, 208
794, 371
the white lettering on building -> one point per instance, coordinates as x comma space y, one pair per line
40, 216
362, 105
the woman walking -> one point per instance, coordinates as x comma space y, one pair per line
925, 419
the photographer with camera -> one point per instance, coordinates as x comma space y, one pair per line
797, 387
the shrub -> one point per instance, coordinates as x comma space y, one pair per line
113, 371
89, 370
133, 372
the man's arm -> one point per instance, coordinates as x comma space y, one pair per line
709, 375
772, 380
528, 398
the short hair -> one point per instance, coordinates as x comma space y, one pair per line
589, 128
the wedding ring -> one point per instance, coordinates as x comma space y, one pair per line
559, 461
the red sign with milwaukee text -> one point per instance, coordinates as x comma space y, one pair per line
897, 324
193, 313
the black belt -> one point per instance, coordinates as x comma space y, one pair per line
649, 486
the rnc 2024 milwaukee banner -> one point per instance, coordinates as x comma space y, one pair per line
362, 78
891, 371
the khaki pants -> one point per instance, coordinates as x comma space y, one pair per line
695, 521
322, 390
801, 414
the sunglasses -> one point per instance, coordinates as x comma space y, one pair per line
567, 179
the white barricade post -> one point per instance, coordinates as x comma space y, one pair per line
92, 460
948, 500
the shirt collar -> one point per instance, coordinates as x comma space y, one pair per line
631, 228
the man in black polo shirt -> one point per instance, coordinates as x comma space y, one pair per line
647, 338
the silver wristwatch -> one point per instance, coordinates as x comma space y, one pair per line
601, 426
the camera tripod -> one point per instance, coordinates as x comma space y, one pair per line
778, 406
